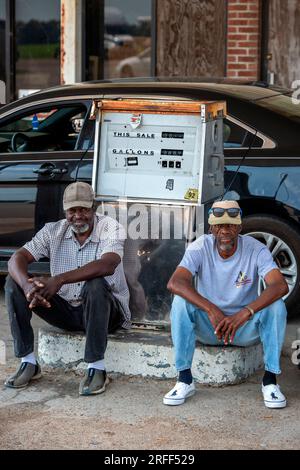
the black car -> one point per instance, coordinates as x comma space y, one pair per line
46, 142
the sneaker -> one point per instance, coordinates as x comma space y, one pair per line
179, 393
24, 375
93, 382
273, 397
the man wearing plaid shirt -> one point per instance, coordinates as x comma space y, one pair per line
86, 291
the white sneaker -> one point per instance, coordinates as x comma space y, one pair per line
273, 397
179, 393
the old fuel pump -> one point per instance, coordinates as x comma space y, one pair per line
156, 163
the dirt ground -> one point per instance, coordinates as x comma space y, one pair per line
130, 415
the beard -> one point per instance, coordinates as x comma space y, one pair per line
79, 229
226, 247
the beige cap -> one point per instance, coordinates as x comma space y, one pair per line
78, 194
225, 219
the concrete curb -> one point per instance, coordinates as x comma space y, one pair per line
150, 354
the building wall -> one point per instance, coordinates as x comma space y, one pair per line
190, 38
243, 39
284, 41
194, 38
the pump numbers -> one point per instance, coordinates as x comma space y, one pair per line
172, 135
172, 152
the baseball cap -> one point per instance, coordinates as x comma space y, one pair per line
228, 216
78, 194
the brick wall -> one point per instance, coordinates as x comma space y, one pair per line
243, 39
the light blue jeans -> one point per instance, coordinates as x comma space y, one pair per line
189, 322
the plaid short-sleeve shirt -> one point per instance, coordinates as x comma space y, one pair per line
56, 241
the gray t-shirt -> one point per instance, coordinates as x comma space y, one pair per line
229, 283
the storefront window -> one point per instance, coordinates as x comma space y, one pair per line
2, 40
37, 45
127, 38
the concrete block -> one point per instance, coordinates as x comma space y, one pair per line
149, 353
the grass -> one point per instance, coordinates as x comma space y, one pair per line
38, 51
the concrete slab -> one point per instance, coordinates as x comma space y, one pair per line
150, 354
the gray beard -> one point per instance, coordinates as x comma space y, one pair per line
80, 230
226, 247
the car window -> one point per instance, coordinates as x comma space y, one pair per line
87, 135
45, 129
237, 136
27, 123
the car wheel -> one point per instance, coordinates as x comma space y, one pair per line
283, 240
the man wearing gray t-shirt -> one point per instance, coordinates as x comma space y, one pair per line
225, 308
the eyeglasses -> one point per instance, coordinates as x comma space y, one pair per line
220, 211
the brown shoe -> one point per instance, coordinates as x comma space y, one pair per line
24, 375
94, 382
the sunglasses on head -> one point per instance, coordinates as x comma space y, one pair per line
219, 211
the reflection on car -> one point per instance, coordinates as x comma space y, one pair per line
135, 66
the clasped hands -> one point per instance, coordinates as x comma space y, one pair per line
39, 290
226, 326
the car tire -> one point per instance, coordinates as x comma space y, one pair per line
273, 230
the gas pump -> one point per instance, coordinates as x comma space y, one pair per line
156, 163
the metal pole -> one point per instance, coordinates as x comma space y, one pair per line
10, 45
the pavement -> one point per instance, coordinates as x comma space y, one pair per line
130, 415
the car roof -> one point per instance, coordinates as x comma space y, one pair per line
247, 91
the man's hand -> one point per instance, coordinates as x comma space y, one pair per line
216, 316
181, 283
230, 324
39, 301
47, 286
31, 291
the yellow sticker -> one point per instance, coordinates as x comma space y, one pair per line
191, 194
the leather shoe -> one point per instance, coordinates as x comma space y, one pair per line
94, 382
25, 373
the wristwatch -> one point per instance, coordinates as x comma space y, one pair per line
250, 310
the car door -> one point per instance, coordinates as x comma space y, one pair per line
41, 146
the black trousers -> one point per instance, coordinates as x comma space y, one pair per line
99, 314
